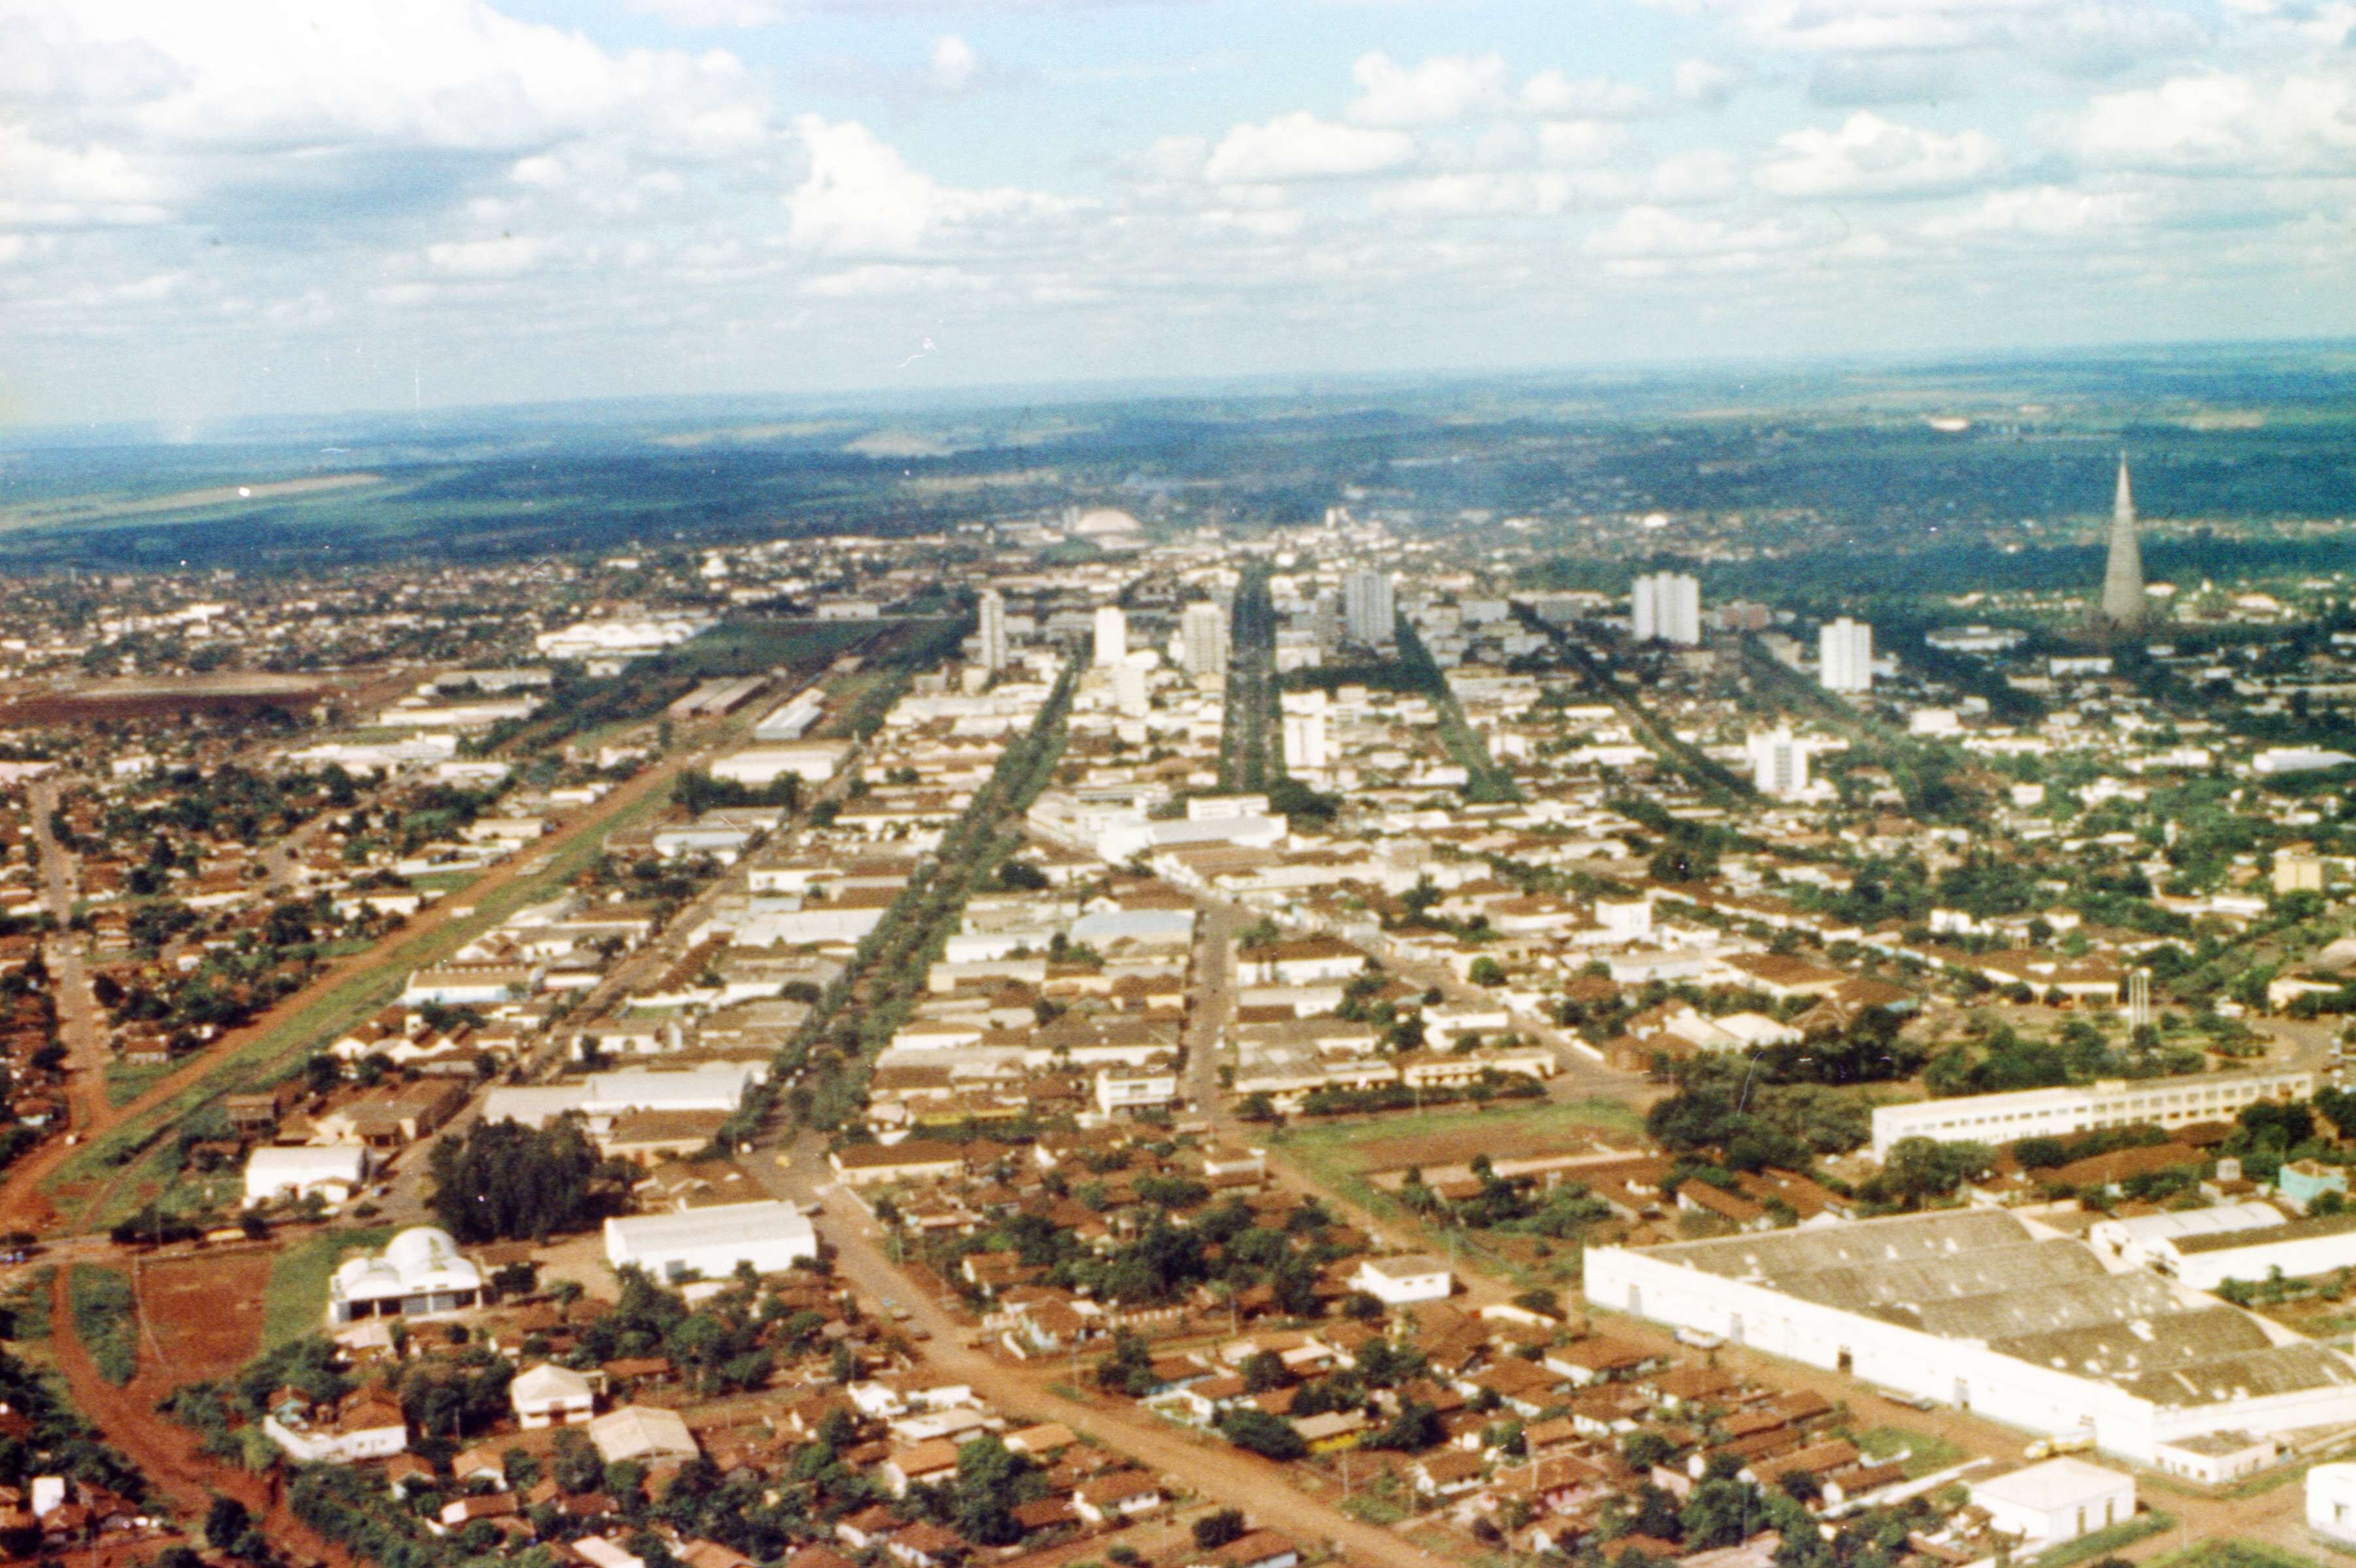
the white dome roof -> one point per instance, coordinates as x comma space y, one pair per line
1107, 520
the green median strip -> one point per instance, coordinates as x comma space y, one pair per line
262, 1059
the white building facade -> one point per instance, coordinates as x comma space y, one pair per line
1973, 1310
2061, 1112
1666, 607
1845, 655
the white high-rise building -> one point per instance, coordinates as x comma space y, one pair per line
1665, 607
1112, 636
1129, 690
1305, 742
1845, 655
993, 630
1369, 611
1203, 639
1779, 765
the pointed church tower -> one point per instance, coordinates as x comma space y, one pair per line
2123, 596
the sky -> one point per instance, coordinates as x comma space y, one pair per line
244, 207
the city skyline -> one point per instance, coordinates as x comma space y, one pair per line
273, 211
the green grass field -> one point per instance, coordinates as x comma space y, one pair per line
105, 1319
752, 647
1339, 1155
2232, 1555
1339, 1145
125, 1082
1925, 1451
278, 1050
295, 1301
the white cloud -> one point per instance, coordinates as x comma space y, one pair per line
1594, 96
1439, 91
861, 198
2304, 123
1579, 141
953, 63
322, 74
883, 280
2039, 212
1704, 81
1871, 25
1299, 145
1690, 179
1491, 194
54, 187
1651, 233
1870, 156
508, 256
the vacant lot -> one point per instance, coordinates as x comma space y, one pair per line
1454, 1136
203, 1312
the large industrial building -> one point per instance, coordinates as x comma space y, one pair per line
1984, 1310
2061, 1112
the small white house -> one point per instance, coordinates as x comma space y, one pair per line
2058, 1500
2214, 1458
334, 1172
551, 1395
710, 1243
2331, 1502
1396, 1281
1133, 1089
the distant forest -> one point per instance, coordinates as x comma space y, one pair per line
1836, 460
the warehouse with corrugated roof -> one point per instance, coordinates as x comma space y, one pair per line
1988, 1312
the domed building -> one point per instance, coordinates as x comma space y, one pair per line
420, 1272
1105, 522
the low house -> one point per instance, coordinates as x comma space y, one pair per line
1124, 1494
366, 1425
1396, 1281
913, 1159
2214, 1458
274, 1174
2056, 1501
1260, 1549
551, 1395
643, 1433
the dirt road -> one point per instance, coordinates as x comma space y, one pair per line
164, 1452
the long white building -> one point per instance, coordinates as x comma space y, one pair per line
2061, 1112
1979, 1309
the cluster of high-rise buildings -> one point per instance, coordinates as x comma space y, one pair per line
1666, 607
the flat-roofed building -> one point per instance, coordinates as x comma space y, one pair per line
711, 1243
2063, 1113
1982, 1310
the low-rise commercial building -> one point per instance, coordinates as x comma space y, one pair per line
2061, 1112
1983, 1311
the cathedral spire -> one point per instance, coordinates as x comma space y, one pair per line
2123, 596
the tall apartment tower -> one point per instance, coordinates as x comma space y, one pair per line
1845, 655
1203, 639
1665, 607
993, 630
1369, 609
1112, 636
1779, 765
1305, 742
2122, 597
